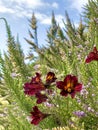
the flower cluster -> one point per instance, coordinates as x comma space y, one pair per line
69, 86
36, 86
42, 90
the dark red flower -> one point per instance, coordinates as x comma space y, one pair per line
37, 116
36, 79
50, 78
34, 86
92, 56
70, 86
41, 98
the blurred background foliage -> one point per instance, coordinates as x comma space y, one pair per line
64, 54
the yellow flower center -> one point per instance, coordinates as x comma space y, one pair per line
49, 77
69, 86
69, 90
37, 79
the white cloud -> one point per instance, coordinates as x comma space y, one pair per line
47, 19
28, 3
5, 9
59, 19
78, 4
25, 4
55, 5
24, 8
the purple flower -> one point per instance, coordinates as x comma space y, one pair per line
13, 75
90, 109
47, 104
36, 67
78, 100
79, 113
96, 113
84, 92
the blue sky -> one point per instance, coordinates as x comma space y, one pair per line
17, 13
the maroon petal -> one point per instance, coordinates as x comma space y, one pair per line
35, 121
96, 58
30, 93
60, 84
67, 78
95, 50
40, 98
78, 88
39, 101
35, 109
71, 79
32, 88
37, 116
73, 94
74, 80
36, 79
50, 78
63, 93
27, 85
90, 57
